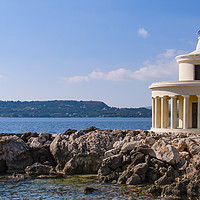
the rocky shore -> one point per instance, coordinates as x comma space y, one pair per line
168, 162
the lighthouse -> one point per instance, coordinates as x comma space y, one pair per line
176, 104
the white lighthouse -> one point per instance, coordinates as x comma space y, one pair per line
184, 94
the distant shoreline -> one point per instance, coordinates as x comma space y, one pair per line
67, 109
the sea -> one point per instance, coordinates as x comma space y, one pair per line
69, 187
60, 125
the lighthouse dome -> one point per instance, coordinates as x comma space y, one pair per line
189, 65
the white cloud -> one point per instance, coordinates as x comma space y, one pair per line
169, 53
76, 79
143, 32
164, 68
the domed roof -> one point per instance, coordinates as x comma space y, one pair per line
195, 55
197, 51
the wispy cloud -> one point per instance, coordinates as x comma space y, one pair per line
168, 53
164, 67
76, 79
144, 33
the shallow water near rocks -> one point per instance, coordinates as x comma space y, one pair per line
69, 187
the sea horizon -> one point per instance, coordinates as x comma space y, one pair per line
60, 125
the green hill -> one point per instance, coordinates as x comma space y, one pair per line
67, 108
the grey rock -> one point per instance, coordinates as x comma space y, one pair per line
27, 135
45, 135
124, 176
155, 190
133, 180
34, 142
190, 145
42, 155
15, 152
129, 146
38, 169
88, 190
113, 162
81, 152
176, 190
152, 175
109, 153
164, 180
141, 170
82, 164
166, 152
137, 158
104, 170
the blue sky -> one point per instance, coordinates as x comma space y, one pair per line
106, 50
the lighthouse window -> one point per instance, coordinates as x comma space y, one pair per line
197, 72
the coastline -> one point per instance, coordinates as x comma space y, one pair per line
168, 161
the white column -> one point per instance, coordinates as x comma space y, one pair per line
167, 112
157, 112
180, 112
185, 112
163, 112
173, 112
198, 112
153, 112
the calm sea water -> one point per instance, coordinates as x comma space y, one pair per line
60, 125
69, 188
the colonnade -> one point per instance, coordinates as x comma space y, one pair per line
160, 111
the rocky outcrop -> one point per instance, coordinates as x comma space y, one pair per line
82, 151
14, 154
168, 161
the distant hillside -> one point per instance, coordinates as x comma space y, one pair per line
67, 108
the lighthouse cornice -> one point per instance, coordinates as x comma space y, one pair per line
175, 84
191, 58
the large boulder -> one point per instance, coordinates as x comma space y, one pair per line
166, 152
82, 164
14, 153
82, 151
113, 162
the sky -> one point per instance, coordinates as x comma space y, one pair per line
101, 50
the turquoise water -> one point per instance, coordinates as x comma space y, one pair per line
60, 125
70, 187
